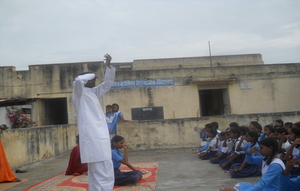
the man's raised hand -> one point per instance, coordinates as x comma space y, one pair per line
107, 59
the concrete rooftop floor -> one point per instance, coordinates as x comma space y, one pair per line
178, 170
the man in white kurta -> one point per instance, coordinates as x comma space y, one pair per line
95, 149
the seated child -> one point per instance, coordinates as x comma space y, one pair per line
123, 178
269, 131
246, 169
293, 150
235, 156
75, 166
222, 150
286, 182
281, 135
213, 146
272, 167
207, 127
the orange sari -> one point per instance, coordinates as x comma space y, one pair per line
6, 173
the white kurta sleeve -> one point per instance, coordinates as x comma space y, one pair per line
105, 86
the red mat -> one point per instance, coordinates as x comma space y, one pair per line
64, 182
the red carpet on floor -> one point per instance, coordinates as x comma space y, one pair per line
63, 182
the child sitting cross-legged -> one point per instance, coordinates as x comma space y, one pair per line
222, 152
246, 169
123, 178
213, 146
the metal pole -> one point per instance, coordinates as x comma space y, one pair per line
210, 54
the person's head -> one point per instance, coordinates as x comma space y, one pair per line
109, 109
276, 127
268, 130
222, 136
115, 107
90, 83
215, 124
255, 126
233, 125
251, 136
280, 133
117, 142
279, 122
227, 135
234, 133
297, 124
294, 133
212, 133
288, 125
208, 126
268, 148
243, 130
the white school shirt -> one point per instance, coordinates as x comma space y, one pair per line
93, 131
213, 144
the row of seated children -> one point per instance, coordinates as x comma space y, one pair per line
239, 152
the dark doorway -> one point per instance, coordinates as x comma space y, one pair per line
56, 111
211, 102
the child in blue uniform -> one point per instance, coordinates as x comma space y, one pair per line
272, 167
235, 155
123, 178
213, 145
246, 169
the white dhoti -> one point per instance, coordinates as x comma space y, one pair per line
101, 176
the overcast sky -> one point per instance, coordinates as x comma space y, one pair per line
63, 31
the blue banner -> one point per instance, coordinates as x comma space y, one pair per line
143, 83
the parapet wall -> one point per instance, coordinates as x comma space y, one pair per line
29, 145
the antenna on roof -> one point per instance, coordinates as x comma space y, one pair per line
209, 53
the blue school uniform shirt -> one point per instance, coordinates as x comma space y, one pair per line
118, 114
287, 184
112, 124
116, 157
270, 178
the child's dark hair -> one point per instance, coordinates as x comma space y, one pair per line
297, 124
213, 131
257, 126
115, 139
270, 127
254, 122
270, 142
279, 121
288, 123
234, 125
222, 134
296, 131
243, 130
255, 135
282, 130
115, 104
236, 131
215, 124
108, 106
209, 126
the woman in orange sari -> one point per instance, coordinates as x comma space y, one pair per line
6, 173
